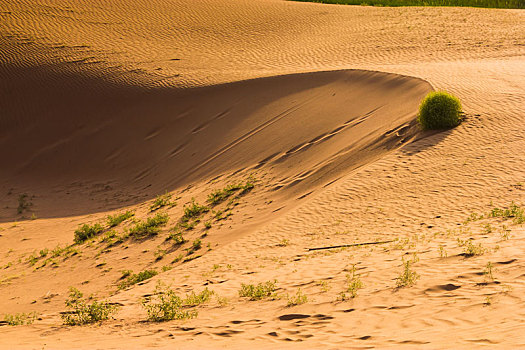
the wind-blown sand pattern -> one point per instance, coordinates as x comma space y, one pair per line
104, 105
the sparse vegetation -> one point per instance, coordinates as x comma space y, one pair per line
297, 299
514, 211
20, 318
442, 252
177, 238
23, 203
166, 305
117, 219
283, 243
515, 4
408, 277
194, 299
259, 291
505, 233
439, 110
489, 271
219, 196
196, 245
353, 282
163, 200
470, 249
129, 278
85, 232
82, 312
193, 210
149, 227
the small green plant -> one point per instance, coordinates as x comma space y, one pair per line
85, 232
470, 249
488, 228
283, 243
149, 227
162, 200
297, 299
219, 196
207, 225
489, 271
20, 318
442, 252
196, 245
23, 203
488, 300
505, 233
117, 219
353, 282
439, 110
166, 305
325, 287
193, 210
129, 278
259, 291
408, 277
82, 312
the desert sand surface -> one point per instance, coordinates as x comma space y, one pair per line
106, 104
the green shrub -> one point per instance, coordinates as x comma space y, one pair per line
161, 201
149, 227
177, 238
23, 203
259, 291
83, 312
85, 232
193, 210
117, 219
134, 278
20, 319
439, 110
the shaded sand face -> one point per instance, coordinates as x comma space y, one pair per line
105, 105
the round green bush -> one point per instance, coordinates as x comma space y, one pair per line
439, 110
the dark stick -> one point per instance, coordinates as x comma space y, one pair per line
350, 245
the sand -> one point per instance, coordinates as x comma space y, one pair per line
106, 105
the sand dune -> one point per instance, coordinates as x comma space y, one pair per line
90, 131
106, 104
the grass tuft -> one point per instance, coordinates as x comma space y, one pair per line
149, 227
162, 200
117, 219
131, 278
408, 277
